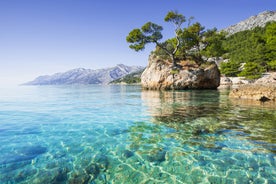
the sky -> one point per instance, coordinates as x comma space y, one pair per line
42, 37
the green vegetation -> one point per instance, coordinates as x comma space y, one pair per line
132, 78
189, 42
251, 52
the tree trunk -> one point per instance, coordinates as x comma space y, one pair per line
173, 61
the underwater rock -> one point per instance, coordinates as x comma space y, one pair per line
78, 178
101, 161
92, 169
117, 132
127, 153
201, 131
157, 156
24, 154
61, 175
33, 150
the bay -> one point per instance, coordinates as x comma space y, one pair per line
123, 134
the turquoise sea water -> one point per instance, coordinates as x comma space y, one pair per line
121, 134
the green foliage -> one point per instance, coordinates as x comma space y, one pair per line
186, 42
272, 65
252, 71
256, 48
270, 34
149, 32
132, 78
230, 69
176, 18
213, 41
175, 71
137, 37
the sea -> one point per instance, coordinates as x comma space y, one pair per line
122, 134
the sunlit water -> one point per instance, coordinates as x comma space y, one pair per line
121, 134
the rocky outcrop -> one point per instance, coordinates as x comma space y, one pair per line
160, 75
259, 20
261, 92
233, 81
268, 78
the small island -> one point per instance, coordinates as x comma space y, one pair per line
178, 63
196, 58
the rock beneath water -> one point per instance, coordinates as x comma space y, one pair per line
157, 156
101, 161
127, 153
259, 92
24, 154
160, 75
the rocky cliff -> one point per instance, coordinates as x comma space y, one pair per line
159, 75
85, 76
254, 21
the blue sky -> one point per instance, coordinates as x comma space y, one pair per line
39, 37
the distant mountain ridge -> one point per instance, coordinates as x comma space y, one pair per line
86, 76
259, 20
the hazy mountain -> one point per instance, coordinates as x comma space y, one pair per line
86, 76
254, 21
132, 78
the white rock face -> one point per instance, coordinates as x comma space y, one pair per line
233, 81
86, 76
159, 75
258, 20
268, 78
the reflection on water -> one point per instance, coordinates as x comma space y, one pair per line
195, 113
120, 134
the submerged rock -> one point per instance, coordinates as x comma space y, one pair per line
160, 75
127, 153
101, 161
24, 154
157, 156
92, 169
202, 131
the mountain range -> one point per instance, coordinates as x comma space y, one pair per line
259, 20
86, 76
107, 75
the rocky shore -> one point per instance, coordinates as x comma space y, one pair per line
263, 89
260, 92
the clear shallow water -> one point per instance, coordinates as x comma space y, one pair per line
121, 134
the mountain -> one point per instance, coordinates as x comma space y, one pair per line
86, 76
254, 21
132, 78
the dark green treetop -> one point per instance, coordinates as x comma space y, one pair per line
187, 42
151, 33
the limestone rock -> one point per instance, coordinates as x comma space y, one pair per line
259, 20
233, 81
259, 92
225, 81
267, 79
159, 75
